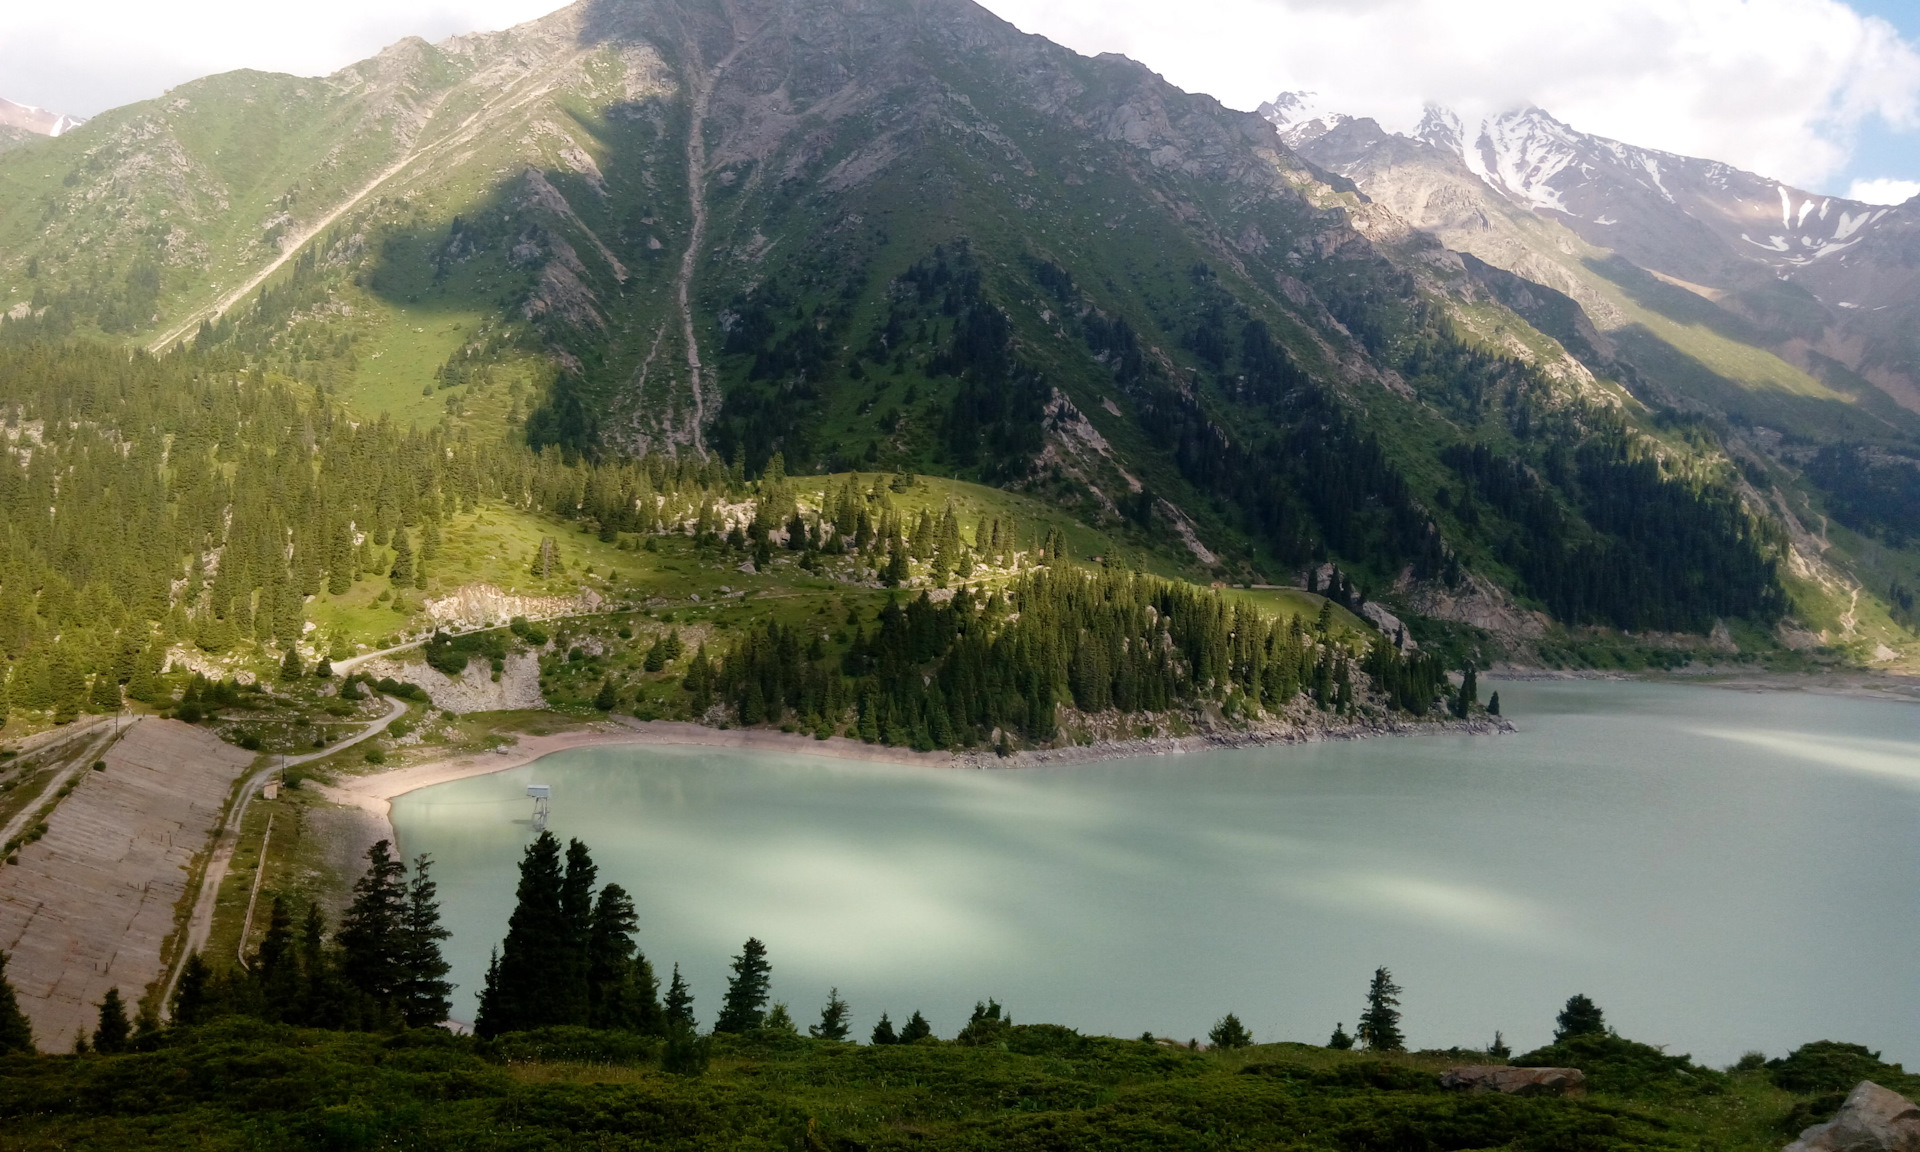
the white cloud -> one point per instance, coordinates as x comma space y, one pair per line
1775, 86
1884, 191
84, 56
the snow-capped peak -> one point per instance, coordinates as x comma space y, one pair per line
36, 120
1300, 117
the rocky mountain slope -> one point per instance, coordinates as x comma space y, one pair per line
1708, 290
903, 237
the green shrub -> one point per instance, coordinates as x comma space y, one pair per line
1831, 1066
1627, 1068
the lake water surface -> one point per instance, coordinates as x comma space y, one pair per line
1720, 870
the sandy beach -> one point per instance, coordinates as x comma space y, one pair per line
374, 793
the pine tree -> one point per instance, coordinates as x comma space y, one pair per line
1229, 1033
372, 935
621, 990
115, 1029
1493, 704
190, 1001
276, 969
883, 1032
833, 1018
423, 991
572, 1000
745, 1005
536, 958
1379, 1027
608, 696
402, 573
679, 1007
1499, 1049
1580, 1017
916, 1028
16, 1034
291, 668
1340, 1041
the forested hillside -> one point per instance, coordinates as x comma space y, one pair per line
915, 241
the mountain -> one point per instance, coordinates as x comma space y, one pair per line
826, 234
1780, 316
20, 123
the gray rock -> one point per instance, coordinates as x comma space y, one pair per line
1516, 1081
1874, 1119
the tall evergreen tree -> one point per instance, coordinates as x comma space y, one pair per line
1580, 1017
372, 935
576, 906
115, 1029
190, 1001
276, 966
745, 1005
423, 991
536, 964
679, 1008
883, 1032
16, 1034
1379, 1027
833, 1018
621, 990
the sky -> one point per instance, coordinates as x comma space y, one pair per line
1823, 94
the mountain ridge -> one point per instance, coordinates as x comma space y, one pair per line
904, 237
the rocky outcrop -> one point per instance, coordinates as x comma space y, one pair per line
474, 690
1476, 601
1874, 1119
1389, 625
485, 606
1515, 1081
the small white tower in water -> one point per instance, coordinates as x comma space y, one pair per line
540, 793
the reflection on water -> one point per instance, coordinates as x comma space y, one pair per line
1720, 870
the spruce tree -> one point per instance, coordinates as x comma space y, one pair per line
1229, 1033
423, 991
276, 967
679, 1007
115, 1029
916, 1028
291, 668
402, 573
621, 990
16, 1034
1340, 1041
320, 1005
536, 958
883, 1032
745, 1005
372, 935
1379, 1027
190, 994
1493, 704
576, 905
833, 1018
1580, 1017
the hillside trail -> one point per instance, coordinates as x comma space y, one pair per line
697, 210
509, 99
227, 839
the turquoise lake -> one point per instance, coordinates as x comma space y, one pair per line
1721, 870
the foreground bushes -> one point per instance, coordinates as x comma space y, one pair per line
242, 1084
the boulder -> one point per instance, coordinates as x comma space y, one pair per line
1874, 1119
1516, 1081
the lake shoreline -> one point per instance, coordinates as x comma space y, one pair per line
1858, 685
374, 793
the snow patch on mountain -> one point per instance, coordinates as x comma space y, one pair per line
36, 120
